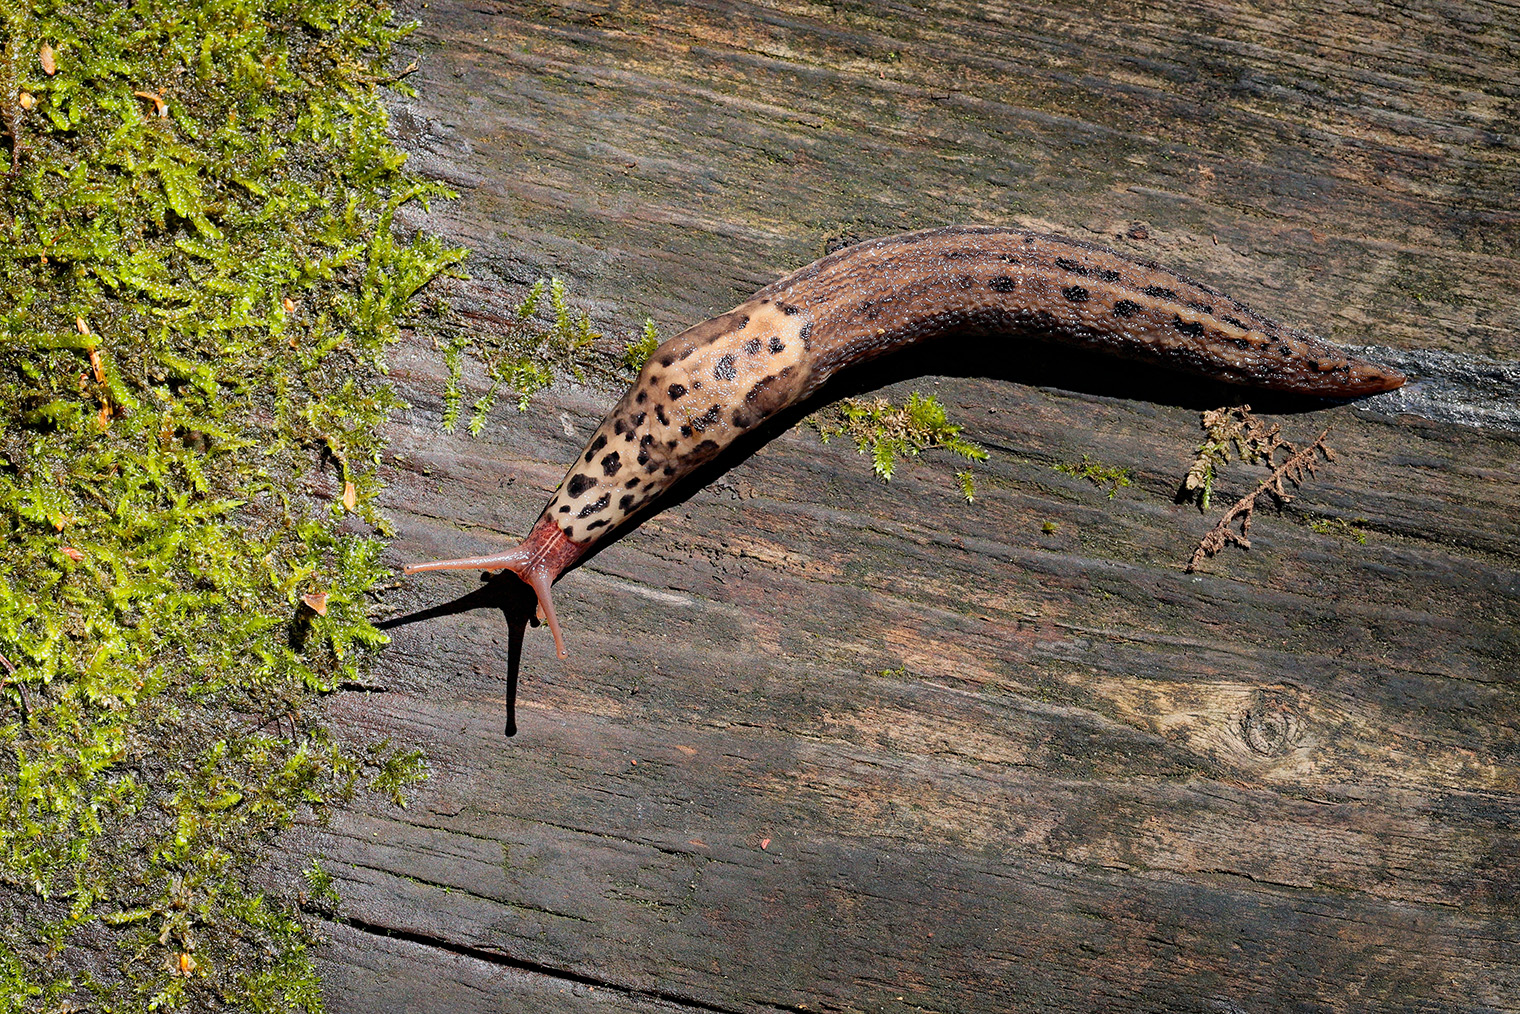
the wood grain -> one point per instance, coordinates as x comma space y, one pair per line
826, 743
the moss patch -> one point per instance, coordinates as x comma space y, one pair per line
200, 281
885, 432
1097, 473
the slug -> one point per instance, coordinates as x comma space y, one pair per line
711, 383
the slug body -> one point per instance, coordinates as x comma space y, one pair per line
705, 387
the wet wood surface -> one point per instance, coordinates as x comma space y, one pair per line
825, 743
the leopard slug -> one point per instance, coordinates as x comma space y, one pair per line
711, 383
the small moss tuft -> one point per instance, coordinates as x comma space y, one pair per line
638, 350
1341, 528
524, 353
1097, 473
886, 432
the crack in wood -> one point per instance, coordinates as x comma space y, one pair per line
502, 960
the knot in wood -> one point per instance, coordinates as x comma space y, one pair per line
1273, 725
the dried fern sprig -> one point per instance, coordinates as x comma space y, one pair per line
1299, 464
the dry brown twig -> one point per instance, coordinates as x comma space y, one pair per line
1300, 463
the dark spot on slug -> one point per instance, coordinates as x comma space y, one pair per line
596, 524
789, 310
610, 464
686, 353
1002, 283
1284, 350
807, 336
752, 346
668, 359
643, 458
617, 426
578, 484
1075, 293
777, 345
685, 431
740, 418
596, 445
599, 504
1070, 265
1126, 308
1201, 307
1157, 292
625, 501
1107, 275
1187, 327
707, 418
565, 509
1231, 320
725, 369
965, 281
641, 397
676, 391
1007, 259
632, 482
670, 470
659, 413
705, 447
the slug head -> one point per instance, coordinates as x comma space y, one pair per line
539, 560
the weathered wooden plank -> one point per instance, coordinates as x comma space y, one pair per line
892, 746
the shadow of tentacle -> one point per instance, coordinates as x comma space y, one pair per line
518, 606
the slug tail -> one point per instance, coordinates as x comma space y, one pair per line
542, 557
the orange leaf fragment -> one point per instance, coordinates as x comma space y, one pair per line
765, 843
350, 496
26, 100
73, 554
100, 370
290, 305
159, 105
316, 602
83, 327
45, 56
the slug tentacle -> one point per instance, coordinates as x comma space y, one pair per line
715, 381
539, 560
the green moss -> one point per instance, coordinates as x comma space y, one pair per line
638, 350
201, 280
536, 343
1340, 527
1097, 473
886, 432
